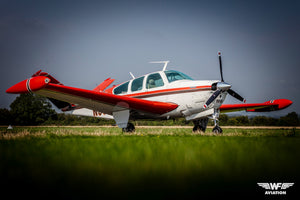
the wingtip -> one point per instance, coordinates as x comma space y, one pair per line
18, 88
283, 103
29, 85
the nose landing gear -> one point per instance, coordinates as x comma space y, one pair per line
217, 129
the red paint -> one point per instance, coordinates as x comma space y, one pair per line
18, 88
109, 90
282, 103
35, 83
40, 73
104, 85
277, 104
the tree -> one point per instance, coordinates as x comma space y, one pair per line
5, 117
223, 119
260, 121
291, 119
242, 120
30, 109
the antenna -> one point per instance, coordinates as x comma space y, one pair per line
165, 63
131, 75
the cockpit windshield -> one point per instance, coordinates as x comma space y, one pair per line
173, 75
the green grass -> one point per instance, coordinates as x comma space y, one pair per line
150, 163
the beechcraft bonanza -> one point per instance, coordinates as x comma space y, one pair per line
165, 94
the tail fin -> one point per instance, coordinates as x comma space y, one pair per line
61, 105
102, 86
52, 79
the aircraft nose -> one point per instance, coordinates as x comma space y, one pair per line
223, 86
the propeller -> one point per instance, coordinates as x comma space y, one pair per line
221, 87
236, 95
212, 98
221, 69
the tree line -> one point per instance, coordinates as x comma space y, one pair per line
30, 109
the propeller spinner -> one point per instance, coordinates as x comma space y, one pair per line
222, 87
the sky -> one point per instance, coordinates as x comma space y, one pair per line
81, 43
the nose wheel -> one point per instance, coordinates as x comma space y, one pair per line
217, 130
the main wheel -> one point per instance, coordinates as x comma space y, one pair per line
217, 130
130, 128
198, 128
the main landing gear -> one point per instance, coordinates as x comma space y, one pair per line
200, 125
129, 129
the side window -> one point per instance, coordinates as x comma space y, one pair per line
121, 89
137, 84
154, 80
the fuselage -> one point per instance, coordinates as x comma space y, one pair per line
170, 86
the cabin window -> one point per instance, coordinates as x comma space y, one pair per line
137, 84
175, 76
122, 89
154, 80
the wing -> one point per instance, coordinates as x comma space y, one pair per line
46, 85
286, 185
264, 185
272, 105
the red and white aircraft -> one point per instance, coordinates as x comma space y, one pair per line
165, 94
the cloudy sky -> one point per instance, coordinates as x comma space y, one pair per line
81, 43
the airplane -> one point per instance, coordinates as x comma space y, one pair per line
166, 94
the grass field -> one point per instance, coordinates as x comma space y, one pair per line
89, 162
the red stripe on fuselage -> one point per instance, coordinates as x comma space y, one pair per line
168, 91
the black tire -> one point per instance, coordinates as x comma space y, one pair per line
217, 130
198, 128
130, 128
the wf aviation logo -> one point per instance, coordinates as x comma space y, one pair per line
275, 188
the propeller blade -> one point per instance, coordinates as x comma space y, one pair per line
236, 95
221, 69
212, 98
